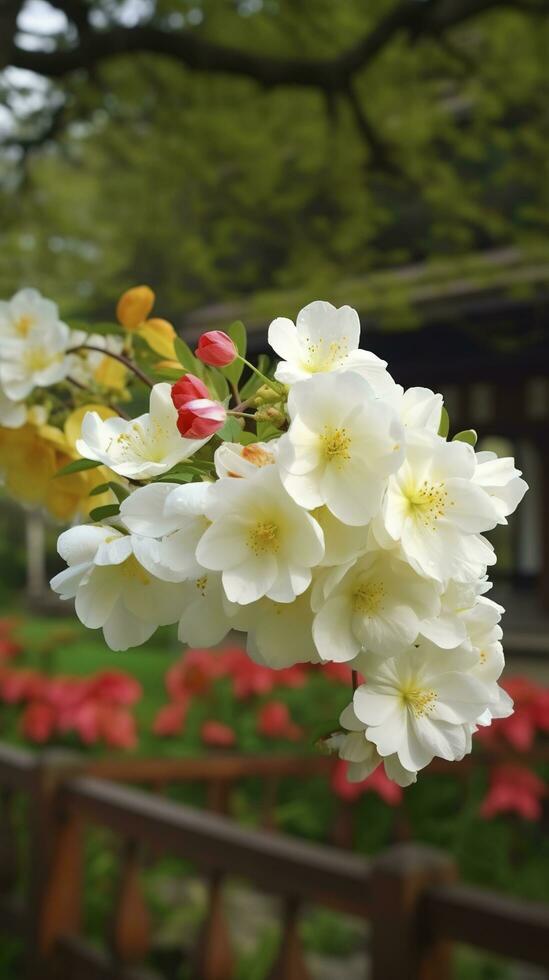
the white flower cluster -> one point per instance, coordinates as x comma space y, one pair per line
355, 535
36, 352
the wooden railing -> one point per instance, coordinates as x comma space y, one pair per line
410, 896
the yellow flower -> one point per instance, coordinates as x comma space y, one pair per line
134, 306
133, 311
31, 456
160, 336
111, 374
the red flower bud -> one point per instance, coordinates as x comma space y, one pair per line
200, 418
216, 348
187, 389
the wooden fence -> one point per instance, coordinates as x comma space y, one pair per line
410, 895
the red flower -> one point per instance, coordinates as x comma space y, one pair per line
513, 789
9, 648
38, 721
187, 389
21, 685
378, 782
170, 719
216, 348
200, 418
85, 720
274, 721
338, 672
118, 728
116, 686
218, 734
193, 674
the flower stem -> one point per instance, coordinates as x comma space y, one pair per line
268, 381
240, 415
130, 365
354, 680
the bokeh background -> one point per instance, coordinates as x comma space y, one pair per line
244, 157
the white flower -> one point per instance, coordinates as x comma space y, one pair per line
170, 520
341, 446
377, 606
324, 338
233, 459
262, 542
35, 360
433, 508
419, 705
141, 448
111, 588
25, 310
420, 409
12, 414
86, 363
448, 630
484, 637
500, 479
280, 633
362, 755
342, 542
207, 614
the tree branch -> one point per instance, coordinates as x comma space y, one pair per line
197, 53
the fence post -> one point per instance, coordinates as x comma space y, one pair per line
55, 862
402, 947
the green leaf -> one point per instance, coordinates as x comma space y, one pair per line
77, 466
467, 435
231, 431
119, 491
100, 513
444, 426
218, 384
177, 476
267, 431
237, 333
185, 355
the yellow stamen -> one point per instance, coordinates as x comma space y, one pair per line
420, 702
23, 325
368, 597
427, 502
335, 445
263, 538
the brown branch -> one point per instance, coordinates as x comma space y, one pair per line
197, 53
380, 153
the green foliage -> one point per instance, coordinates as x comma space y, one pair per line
468, 435
444, 426
119, 491
210, 187
231, 431
102, 513
77, 466
237, 333
186, 357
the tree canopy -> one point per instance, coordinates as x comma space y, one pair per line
213, 148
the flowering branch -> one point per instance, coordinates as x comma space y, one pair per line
130, 365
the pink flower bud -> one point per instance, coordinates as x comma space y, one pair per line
200, 418
216, 348
187, 389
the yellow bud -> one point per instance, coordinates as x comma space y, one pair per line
134, 306
160, 336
